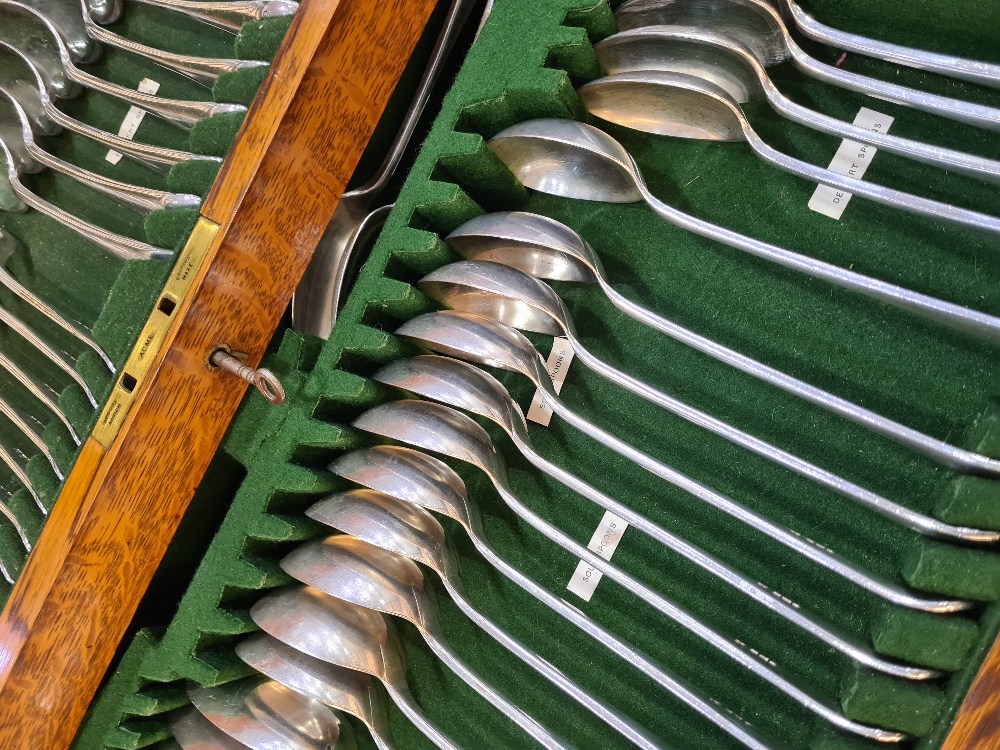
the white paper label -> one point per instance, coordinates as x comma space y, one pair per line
603, 544
851, 160
558, 365
133, 118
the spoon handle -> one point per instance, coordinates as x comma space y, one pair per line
908, 202
623, 725
734, 650
961, 460
22, 476
976, 167
39, 393
977, 115
142, 199
183, 114
229, 15
881, 505
7, 513
531, 727
25, 294
984, 73
673, 685
404, 701
33, 437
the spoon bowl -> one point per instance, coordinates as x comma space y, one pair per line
194, 732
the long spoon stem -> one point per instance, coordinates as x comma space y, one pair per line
404, 701
22, 424
39, 393
22, 476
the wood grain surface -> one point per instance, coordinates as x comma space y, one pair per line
977, 725
118, 511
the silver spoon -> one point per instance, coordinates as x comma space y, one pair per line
341, 689
121, 247
320, 293
443, 430
24, 426
202, 70
40, 392
370, 576
229, 15
264, 715
15, 131
460, 385
398, 522
22, 476
730, 65
70, 25
573, 160
977, 71
484, 340
349, 636
194, 732
33, 32
685, 106
759, 26
20, 78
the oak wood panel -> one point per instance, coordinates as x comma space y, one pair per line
118, 511
977, 725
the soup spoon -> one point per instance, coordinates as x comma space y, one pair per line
443, 430
22, 476
32, 32
370, 576
341, 689
685, 106
15, 132
20, 78
573, 160
519, 300
203, 70
487, 342
40, 393
264, 715
348, 636
229, 15
22, 424
983, 73
727, 63
398, 522
759, 26
120, 246
192, 731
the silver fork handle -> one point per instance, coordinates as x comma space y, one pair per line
983, 73
229, 15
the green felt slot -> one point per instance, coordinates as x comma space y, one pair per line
526, 64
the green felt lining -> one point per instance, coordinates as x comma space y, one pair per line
912, 370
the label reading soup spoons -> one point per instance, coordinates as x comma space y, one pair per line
133, 118
557, 365
603, 544
851, 160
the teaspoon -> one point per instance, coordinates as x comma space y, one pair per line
370, 576
759, 26
573, 160
443, 430
685, 106
727, 63
341, 633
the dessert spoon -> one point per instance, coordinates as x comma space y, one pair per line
22, 476
342, 689
573, 160
976, 71
484, 341
192, 731
727, 63
40, 392
348, 636
367, 575
759, 26
228, 15
443, 430
685, 106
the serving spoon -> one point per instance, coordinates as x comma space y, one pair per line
264, 715
727, 63
342, 689
760, 27
228, 15
484, 341
20, 78
352, 637
443, 430
976, 71
685, 106
32, 32
15, 132
519, 300
370, 576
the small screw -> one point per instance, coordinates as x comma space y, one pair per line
262, 379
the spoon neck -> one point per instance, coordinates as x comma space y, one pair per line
403, 699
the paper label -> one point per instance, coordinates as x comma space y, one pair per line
558, 365
851, 160
133, 118
603, 544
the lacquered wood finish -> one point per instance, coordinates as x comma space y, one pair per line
977, 726
119, 509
